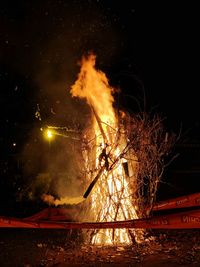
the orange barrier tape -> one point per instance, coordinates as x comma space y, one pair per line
179, 202
66, 214
183, 220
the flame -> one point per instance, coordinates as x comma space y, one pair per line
93, 85
111, 197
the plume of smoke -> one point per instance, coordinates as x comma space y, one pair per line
49, 199
49, 60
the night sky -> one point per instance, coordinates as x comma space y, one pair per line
152, 48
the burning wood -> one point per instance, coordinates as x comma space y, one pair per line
123, 156
123, 160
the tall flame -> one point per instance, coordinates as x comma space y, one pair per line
93, 85
110, 198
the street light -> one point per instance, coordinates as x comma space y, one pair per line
49, 134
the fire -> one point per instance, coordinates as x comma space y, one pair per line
111, 197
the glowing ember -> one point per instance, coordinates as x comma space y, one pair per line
111, 196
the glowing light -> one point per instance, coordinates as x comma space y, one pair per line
49, 135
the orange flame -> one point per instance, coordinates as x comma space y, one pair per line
93, 85
111, 197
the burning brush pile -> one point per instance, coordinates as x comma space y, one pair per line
123, 159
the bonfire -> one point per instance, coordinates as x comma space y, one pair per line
123, 158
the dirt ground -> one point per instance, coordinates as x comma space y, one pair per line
31, 248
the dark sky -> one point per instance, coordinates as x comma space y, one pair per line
151, 46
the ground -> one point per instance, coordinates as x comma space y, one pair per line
62, 248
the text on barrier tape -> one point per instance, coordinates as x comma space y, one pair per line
183, 220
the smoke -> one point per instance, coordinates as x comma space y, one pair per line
63, 200
46, 52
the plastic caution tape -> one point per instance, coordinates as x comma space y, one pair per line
66, 214
179, 202
183, 220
